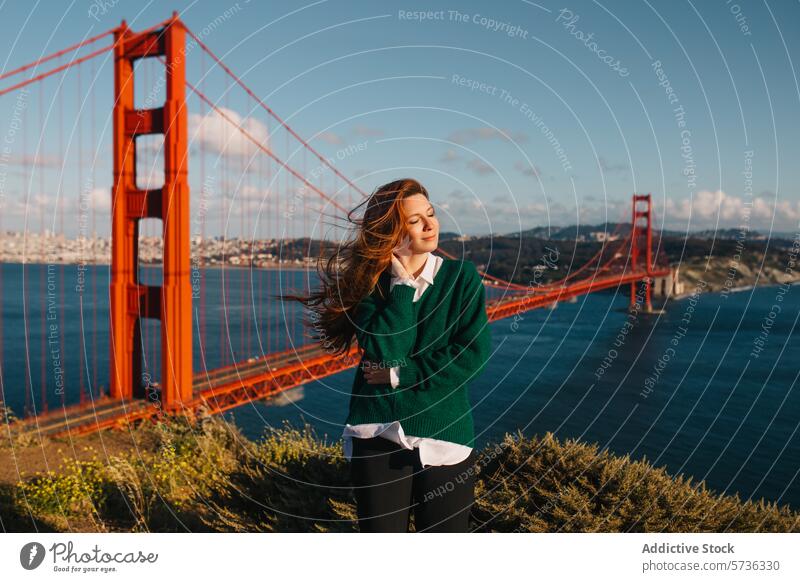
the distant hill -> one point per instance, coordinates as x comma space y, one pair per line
587, 231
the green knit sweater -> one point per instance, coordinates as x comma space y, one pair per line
440, 343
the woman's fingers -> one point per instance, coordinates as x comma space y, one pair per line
404, 248
399, 268
401, 252
374, 375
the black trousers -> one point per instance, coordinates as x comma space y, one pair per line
388, 481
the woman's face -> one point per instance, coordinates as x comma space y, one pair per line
421, 223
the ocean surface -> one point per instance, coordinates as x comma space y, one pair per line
708, 388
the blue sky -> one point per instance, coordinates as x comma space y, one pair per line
513, 114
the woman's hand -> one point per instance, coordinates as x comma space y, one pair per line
400, 269
399, 255
375, 374
403, 249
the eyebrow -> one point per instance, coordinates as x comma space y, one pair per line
418, 214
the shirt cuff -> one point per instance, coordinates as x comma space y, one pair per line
394, 376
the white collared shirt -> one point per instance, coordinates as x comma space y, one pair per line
431, 451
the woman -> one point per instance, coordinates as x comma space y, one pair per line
422, 324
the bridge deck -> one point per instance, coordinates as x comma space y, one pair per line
231, 386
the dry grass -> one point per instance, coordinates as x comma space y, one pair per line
208, 477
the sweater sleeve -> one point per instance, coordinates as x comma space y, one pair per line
387, 332
464, 358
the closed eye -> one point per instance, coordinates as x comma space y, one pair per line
431, 215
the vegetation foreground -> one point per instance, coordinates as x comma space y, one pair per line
180, 477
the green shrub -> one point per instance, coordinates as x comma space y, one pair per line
289, 481
542, 485
208, 477
162, 491
81, 485
18, 436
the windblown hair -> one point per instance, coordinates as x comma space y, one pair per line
352, 271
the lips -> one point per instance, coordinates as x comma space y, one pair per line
429, 237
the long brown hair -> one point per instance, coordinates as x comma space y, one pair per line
352, 271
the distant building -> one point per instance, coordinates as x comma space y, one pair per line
603, 236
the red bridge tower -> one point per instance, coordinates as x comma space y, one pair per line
130, 300
647, 215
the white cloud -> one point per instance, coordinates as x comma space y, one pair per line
248, 192
696, 213
366, 131
705, 205
39, 160
330, 137
527, 169
219, 132
449, 156
100, 199
479, 166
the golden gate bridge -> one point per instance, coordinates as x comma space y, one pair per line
251, 157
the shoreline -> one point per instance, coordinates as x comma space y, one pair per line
157, 265
737, 289
763, 281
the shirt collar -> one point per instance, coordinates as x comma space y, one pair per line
427, 270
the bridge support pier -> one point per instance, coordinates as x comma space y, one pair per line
670, 285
